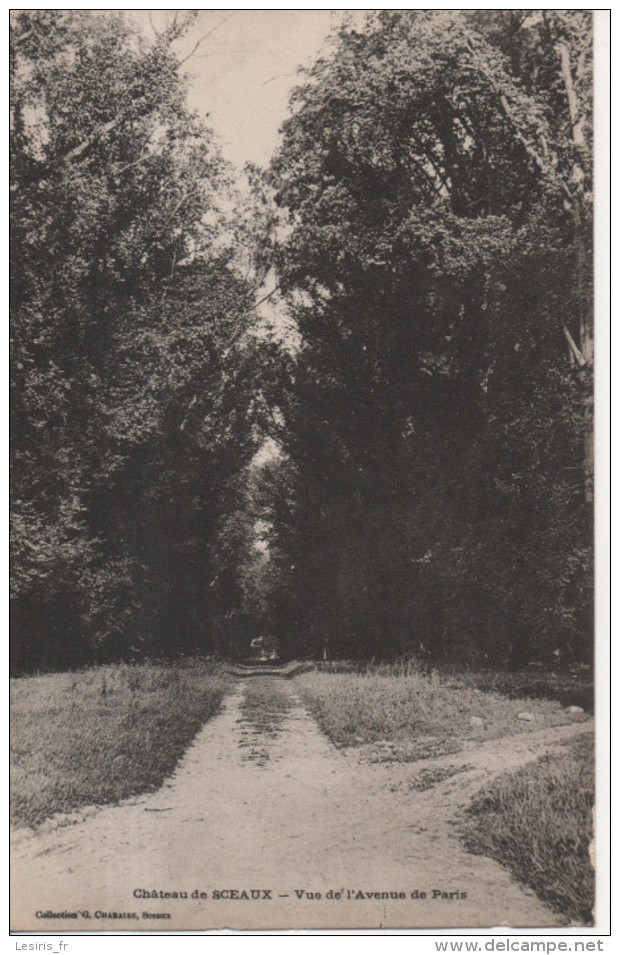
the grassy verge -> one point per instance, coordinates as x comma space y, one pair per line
570, 689
403, 704
538, 823
100, 735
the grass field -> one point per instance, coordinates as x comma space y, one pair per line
402, 703
99, 735
569, 688
538, 823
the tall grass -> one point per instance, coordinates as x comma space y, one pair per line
538, 823
568, 688
401, 702
105, 733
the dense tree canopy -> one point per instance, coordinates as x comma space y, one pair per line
402, 455
136, 397
436, 172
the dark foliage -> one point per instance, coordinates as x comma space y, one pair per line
436, 175
136, 383
430, 482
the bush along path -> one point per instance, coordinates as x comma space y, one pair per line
266, 824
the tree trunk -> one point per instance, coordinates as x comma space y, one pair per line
583, 355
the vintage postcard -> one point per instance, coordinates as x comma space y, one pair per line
302, 578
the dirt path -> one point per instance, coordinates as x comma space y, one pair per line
262, 801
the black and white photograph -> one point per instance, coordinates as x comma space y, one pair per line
303, 478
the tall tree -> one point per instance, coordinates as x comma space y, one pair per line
435, 171
132, 404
